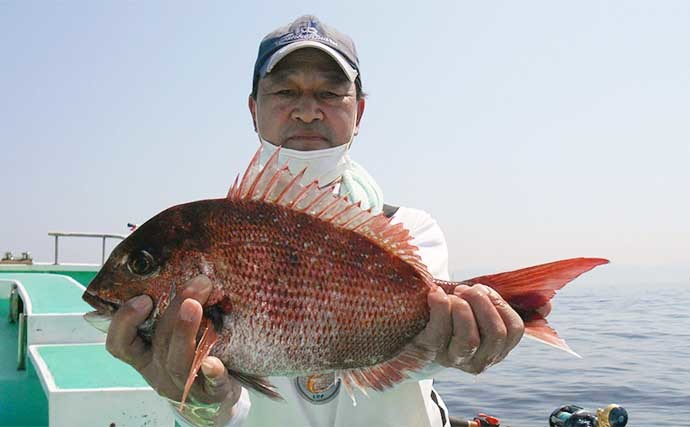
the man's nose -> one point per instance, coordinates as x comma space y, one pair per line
307, 109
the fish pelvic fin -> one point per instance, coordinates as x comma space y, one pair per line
528, 289
208, 339
273, 183
385, 375
256, 383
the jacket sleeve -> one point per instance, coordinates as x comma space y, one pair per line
428, 237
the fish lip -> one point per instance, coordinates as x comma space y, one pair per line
102, 306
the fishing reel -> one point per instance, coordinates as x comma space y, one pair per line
481, 420
576, 416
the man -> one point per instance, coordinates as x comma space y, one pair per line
307, 98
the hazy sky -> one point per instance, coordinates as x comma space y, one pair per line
531, 130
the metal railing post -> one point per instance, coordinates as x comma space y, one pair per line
102, 236
56, 250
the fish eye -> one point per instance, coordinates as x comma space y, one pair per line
141, 263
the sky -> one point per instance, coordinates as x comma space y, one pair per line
531, 131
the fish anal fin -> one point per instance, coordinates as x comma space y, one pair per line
258, 384
208, 339
385, 375
537, 328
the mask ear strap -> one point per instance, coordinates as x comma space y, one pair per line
352, 135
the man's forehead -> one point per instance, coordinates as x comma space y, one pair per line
307, 60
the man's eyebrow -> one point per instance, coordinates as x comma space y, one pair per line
281, 76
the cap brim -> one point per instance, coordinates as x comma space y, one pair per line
281, 53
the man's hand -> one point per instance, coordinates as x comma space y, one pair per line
166, 362
472, 329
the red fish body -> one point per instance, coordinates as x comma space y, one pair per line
305, 295
303, 282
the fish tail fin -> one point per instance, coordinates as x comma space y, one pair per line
208, 339
529, 289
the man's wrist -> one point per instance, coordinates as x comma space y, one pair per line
194, 413
198, 414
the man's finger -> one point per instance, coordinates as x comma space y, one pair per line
492, 330
545, 309
197, 288
437, 332
123, 341
515, 327
465, 339
217, 384
183, 341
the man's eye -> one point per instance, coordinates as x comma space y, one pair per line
285, 92
330, 95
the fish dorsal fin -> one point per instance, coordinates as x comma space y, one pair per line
275, 184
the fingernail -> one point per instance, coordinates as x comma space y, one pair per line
207, 369
186, 312
206, 366
199, 284
141, 303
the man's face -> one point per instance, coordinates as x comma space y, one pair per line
306, 103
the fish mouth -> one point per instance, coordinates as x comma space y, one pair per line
103, 307
99, 319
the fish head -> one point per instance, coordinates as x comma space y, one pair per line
155, 260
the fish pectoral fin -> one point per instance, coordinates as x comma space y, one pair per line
256, 383
208, 339
387, 374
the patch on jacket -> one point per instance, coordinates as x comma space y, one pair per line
319, 388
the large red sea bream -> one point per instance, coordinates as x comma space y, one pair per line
304, 282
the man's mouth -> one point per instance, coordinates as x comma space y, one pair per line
317, 138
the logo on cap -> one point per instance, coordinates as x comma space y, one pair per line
305, 32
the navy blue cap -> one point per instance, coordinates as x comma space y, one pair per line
306, 31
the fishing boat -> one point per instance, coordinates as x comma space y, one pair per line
54, 369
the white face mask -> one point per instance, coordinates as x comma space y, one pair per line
326, 165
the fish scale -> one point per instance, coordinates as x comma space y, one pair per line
304, 282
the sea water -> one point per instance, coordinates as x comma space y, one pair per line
635, 344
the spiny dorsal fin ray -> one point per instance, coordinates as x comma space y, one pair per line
274, 183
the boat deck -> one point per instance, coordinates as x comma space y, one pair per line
69, 378
22, 401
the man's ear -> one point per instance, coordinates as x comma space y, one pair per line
252, 110
360, 112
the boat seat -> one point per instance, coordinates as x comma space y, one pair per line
49, 309
86, 386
